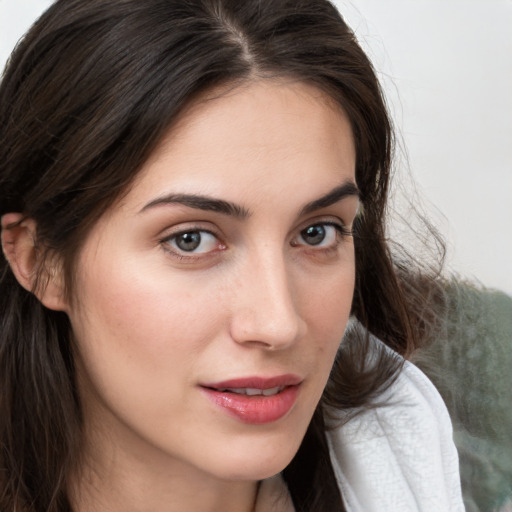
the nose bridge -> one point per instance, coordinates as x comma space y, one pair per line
267, 311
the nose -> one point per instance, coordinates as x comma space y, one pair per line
265, 311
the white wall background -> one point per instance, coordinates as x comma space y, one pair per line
446, 66
447, 70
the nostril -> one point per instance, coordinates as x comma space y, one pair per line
268, 333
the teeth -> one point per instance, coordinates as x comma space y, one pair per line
271, 391
254, 391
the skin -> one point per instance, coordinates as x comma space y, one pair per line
152, 322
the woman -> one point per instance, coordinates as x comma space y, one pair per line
193, 199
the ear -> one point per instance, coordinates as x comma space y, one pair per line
20, 249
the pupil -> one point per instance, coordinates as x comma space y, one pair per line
188, 241
314, 235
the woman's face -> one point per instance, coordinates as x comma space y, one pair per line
211, 300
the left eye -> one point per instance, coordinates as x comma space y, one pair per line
319, 235
193, 242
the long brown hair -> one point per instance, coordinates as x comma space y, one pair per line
86, 96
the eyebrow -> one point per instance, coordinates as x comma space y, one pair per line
349, 188
211, 204
200, 202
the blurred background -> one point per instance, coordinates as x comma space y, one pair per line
446, 67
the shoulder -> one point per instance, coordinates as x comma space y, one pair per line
399, 456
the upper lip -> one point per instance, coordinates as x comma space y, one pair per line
256, 382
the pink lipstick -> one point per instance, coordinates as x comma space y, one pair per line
255, 400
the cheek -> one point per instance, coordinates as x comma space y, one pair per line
327, 302
326, 308
135, 296
138, 324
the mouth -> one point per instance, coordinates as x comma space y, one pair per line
255, 400
252, 391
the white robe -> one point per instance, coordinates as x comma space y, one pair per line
396, 458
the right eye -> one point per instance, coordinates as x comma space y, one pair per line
319, 235
192, 242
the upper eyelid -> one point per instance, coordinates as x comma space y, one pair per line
174, 231
176, 234
339, 226
329, 220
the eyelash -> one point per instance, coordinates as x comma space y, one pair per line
341, 230
176, 252
192, 255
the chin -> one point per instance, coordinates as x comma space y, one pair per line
259, 459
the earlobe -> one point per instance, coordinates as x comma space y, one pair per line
20, 249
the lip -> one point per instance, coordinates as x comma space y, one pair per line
259, 409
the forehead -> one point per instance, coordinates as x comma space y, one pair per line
259, 135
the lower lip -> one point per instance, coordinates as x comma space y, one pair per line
256, 410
